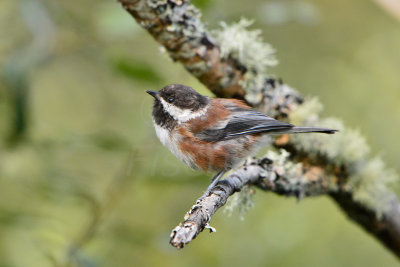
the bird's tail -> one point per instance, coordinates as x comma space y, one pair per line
304, 129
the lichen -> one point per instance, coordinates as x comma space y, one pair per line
156, 3
287, 176
368, 178
247, 47
253, 83
346, 147
282, 165
241, 201
370, 185
278, 99
179, 19
308, 111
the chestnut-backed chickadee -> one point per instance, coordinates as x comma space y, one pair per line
213, 134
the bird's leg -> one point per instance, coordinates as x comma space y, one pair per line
213, 182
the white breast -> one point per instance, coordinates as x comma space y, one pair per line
162, 134
170, 141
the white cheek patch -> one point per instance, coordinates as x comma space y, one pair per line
182, 115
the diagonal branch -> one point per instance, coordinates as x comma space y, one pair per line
353, 180
279, 176
200, 214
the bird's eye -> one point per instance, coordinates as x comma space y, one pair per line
170, 99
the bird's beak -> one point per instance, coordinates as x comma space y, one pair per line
153, 93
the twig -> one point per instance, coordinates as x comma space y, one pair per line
200, 214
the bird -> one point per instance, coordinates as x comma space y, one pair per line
213, 134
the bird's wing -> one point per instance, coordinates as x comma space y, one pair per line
243, 122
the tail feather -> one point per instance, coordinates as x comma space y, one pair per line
304, 129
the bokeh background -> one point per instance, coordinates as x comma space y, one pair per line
85, 182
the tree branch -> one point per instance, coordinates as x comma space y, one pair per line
335, 165
200, 214
273, 173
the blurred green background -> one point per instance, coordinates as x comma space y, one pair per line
85, 182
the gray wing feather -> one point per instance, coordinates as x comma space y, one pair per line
244, 122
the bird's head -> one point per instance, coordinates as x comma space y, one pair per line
179, 102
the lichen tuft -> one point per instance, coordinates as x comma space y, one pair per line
370, 185
247, 47
241, 201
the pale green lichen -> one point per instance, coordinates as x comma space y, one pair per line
286, 176
369, 185
343, 148
253, 83
368, 178
241, 201
180, 19
277, 99
282, 165
247, 47
308, 111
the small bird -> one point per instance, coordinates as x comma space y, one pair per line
213, 134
